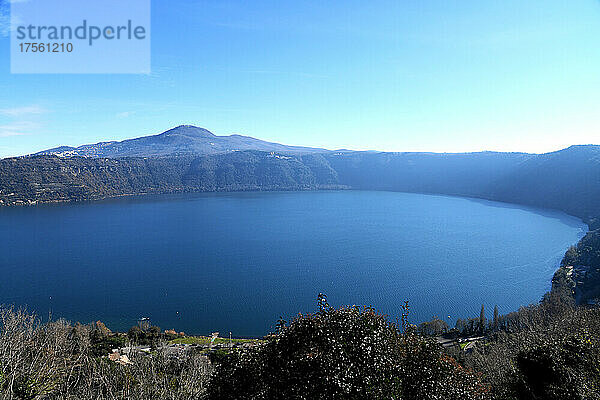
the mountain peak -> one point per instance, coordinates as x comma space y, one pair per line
183, 139
189, 130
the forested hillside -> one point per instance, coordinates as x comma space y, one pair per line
566, 180
466, 174
52, 179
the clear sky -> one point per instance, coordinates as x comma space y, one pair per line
431, 75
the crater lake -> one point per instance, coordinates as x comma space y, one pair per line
237, 262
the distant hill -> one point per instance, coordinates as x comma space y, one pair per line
182, 140
567, 180
47, 179
460, 174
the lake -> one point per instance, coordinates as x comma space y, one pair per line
238, 261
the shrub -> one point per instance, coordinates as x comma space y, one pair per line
345, 353
563, 368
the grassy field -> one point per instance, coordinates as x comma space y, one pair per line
205, 340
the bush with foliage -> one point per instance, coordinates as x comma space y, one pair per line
552, 352
345, 353
560, 368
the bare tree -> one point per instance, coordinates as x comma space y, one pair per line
56, 360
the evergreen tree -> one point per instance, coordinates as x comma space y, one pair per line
495, 323
482, 320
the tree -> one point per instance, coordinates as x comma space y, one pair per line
461, 325
482, 320
564, 368
496, 316
154, 331
134, 333
432, 328
56, 360
571, 257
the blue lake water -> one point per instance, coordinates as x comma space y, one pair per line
238, 261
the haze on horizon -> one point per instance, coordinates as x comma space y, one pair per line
379, 75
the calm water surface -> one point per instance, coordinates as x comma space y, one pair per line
237, 262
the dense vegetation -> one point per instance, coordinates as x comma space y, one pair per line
546, 351
552, 351
566, 180
580, 269
58, 360
346, 353
52, 179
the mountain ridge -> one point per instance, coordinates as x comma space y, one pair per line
566, 179
180, 140
194, 140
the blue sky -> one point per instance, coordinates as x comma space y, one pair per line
385, 75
